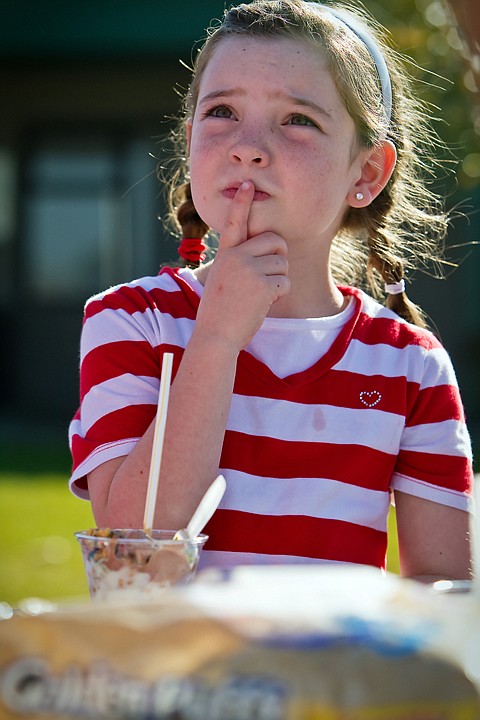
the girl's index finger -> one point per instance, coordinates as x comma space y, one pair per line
236, 223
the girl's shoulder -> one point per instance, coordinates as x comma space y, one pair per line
384, 325
138, 295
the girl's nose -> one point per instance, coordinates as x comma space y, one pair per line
249, 153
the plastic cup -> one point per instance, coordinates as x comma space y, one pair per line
127, 565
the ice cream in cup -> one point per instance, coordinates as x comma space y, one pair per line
128, 565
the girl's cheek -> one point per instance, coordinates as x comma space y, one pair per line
203, 146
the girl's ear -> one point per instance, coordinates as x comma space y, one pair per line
188, 133
376, 171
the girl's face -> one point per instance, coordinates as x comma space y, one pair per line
269, 111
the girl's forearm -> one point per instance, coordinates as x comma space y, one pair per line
199, 402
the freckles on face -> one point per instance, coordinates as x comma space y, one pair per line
269, 112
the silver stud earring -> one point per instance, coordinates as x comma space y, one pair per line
359, 196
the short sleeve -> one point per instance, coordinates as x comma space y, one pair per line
435, 456
119, 380
125, 332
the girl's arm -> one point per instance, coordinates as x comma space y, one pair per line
198, 408
433, 540
247, 276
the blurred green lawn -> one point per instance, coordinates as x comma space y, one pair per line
40, 556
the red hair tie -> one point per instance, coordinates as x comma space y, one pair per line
192, 249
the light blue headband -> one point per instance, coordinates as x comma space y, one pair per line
362, 33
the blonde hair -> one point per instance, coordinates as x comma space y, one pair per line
404, 227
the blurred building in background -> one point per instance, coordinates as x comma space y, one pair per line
87, 91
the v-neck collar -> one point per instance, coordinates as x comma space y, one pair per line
247, 362
319, 368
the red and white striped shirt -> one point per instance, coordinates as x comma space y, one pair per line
310, 459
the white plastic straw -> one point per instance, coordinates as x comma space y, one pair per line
158, 439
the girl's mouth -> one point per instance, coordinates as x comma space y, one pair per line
259, 195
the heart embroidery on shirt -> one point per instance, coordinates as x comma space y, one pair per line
371, 398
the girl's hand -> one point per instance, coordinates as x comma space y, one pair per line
247, 276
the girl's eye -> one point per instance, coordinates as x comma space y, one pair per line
301, 120
220, 111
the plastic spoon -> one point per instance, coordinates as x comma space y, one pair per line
206, 507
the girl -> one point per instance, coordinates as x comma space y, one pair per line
304, 150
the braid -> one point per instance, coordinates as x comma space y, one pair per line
390, 268
188, 219
384, 262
